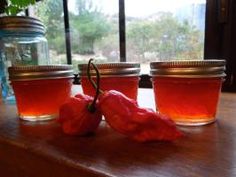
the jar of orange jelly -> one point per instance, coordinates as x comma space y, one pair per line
188, 91
123, 77
40, 90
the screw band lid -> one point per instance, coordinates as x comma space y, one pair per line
112, 69
39, 72
189, 68
21, 24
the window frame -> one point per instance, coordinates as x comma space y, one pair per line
220, 38
122, 31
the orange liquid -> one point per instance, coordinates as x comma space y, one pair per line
188, 101
126, 85
41, 99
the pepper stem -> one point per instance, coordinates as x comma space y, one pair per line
92, 107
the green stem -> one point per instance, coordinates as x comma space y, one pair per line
89, 74
95, 85
92, 107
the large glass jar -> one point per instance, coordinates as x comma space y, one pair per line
22, 42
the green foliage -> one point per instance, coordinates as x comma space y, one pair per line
87, 26
109, 46
50, 12
140, 32
90, 24
58, 44
13, 7
90, 27
164, 36
161, 36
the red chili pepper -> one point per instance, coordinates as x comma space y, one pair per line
79, 115
75, 117
125, 116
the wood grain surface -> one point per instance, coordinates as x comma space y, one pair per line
42, 150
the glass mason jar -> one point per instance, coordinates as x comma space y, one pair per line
22, 42
40, 90
123, 77
188, 91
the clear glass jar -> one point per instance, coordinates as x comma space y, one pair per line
41, 90
22, 42
188, 91
123, 77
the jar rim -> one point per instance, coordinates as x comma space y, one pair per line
188, 63
189, 68
38, 72
21, 24
112, 69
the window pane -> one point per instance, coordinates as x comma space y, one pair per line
160, 30
51, 13
94, 30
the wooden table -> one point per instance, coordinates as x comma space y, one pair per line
42, 150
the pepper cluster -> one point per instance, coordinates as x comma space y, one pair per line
82, 115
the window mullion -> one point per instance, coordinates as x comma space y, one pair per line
122, 30
67, 32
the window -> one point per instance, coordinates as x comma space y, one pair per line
158, 31
152, 30
94, 30
50, 12
220, 37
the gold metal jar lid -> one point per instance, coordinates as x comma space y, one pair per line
40, 72
21, 24
120, 69
189, 68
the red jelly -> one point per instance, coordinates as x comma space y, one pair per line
188, 91
40, 90
123, 77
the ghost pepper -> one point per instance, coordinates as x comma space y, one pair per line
75, 117
141, 124
79, 115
